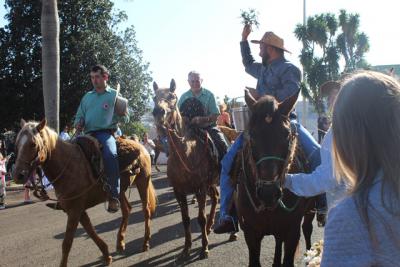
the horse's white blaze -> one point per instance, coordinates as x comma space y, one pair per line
22, 141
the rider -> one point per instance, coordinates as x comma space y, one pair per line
277, 77
96, 117
210, 107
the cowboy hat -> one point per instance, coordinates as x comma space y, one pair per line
271, 39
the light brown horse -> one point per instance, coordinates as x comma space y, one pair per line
191, 168
76, 188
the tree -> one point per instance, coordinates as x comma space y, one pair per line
352, 43
89, 34
319, 55
322, 48
50, 26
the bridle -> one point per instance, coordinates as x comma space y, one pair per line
278, 180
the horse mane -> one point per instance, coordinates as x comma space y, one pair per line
45, 140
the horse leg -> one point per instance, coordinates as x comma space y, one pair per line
290, 245
182, 200
142, 184
253, 241
125, 209
72, 224
308, 228
213, 193
202, 220
87, 225
278, 253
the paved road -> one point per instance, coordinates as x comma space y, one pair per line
31, 235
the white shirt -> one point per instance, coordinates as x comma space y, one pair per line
321, 180
149, 146
64, 136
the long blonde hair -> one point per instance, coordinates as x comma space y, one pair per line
366, 138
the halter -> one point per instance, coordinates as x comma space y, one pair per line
279, 179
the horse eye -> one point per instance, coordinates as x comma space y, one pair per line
33, 145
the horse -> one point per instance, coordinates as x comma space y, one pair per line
76, 187
264, 208
190, 167
229, 133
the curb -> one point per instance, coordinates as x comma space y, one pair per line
15, 188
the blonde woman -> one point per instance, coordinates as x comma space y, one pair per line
364, 228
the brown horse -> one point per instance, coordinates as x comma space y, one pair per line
76, 188
229, 133
264, 208
191, 169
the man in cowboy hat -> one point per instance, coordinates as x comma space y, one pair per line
277, 77
96, 117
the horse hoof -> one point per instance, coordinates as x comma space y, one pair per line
107, 260
145, 248
233, 237
121, 248
204, 255
184, 255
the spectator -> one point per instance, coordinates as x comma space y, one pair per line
364, 228
64, 135
224, 118
150, 146
2, 182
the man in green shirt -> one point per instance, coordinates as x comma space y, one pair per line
96, 117
211, 110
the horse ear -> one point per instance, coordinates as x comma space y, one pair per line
250, 101
22, 123
41, 125
172, 86
287, 105
155, 86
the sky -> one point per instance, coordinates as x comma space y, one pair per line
178, 36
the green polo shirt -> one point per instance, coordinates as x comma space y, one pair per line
97, 111
206, 98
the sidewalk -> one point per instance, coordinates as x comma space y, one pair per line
14, 187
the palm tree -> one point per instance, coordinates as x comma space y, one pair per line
50, 27
352, 44
319, 55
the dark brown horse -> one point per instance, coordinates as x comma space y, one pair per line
76, 188
191, 168
264, 208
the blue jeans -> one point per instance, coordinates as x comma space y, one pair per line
110, 159
311, 149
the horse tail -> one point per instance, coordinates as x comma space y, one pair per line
151, 193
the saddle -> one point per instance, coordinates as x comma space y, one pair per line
91, 148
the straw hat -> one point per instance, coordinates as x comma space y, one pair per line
272, 39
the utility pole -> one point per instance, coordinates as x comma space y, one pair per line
305, 106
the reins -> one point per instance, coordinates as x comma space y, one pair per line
279, 181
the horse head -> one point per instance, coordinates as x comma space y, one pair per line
270, 143
33, 145
165, 112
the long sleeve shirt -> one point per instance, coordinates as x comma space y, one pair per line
348, 239
321, 180
97, 111
280, 78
